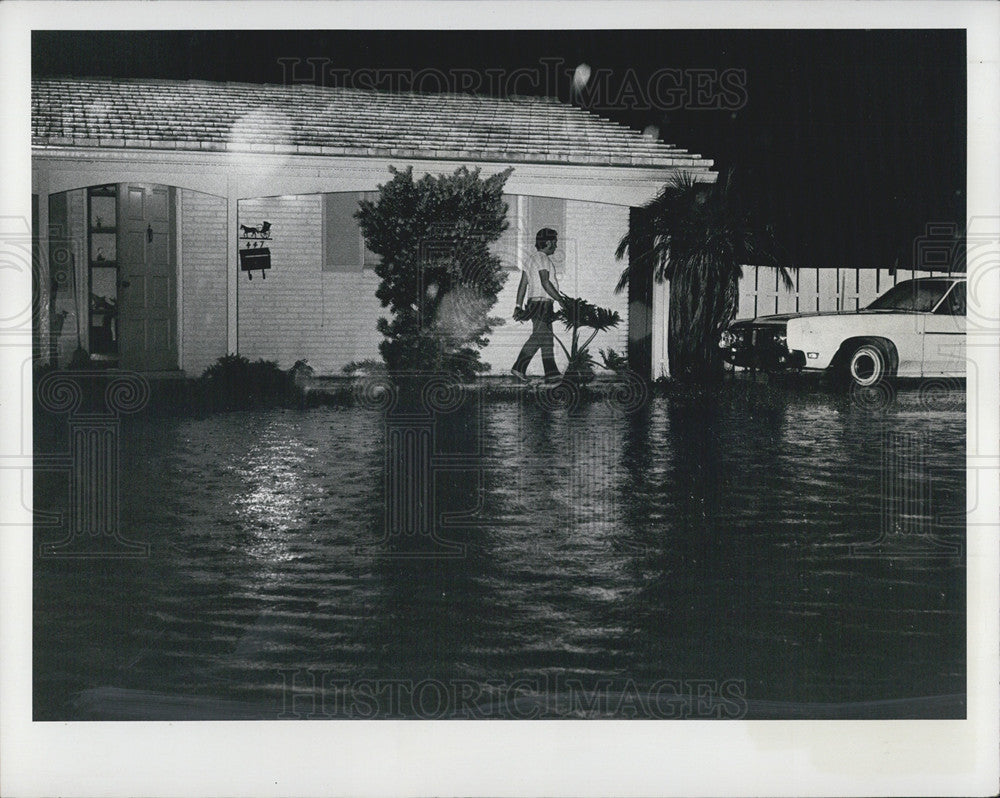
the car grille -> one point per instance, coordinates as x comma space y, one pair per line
757, 346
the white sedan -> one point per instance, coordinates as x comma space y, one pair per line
915, 329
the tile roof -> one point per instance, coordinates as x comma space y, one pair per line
317, 120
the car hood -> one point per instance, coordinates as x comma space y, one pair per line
784, 318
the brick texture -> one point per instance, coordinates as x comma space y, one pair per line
203, 280
328, 318
300, 311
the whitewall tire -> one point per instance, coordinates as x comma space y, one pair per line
868, 365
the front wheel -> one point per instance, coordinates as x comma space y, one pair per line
867, 365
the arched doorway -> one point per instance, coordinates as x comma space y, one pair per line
113, 276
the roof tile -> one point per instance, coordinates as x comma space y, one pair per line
317, 120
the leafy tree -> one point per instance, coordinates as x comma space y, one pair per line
700, 237
439, 278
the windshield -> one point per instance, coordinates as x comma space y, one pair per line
912, 295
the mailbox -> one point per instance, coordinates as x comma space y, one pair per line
255, 256
253, 259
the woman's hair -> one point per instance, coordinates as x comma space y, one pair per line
544, 236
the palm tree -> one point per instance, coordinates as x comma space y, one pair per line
700, 237
574, 314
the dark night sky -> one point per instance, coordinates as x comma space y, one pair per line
849, 142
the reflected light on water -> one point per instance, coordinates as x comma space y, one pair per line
790, 540
271, 506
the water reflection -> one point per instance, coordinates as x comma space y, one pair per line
274, 494
702, 537
431, 600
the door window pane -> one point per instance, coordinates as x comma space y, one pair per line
954, 303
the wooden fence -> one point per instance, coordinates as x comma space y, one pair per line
762, 292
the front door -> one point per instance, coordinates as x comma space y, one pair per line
147, 269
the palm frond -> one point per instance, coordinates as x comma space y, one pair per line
577, 312
699, 236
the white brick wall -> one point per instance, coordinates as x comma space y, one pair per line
202, 248
589, 270
77, 236
328, 318
300, 311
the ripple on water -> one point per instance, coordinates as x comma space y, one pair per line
715, 538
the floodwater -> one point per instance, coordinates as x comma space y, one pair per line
757, 551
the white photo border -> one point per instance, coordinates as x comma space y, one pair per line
512, 757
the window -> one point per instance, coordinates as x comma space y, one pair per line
954, 304
547, 212
912, 295
344, 247
528, 215
544, 212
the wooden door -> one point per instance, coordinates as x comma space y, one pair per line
147, 272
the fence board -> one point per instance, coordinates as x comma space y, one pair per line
867, 286
827, 289
787, 300
761, 292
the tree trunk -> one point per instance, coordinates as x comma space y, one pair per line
703, 299
640, 293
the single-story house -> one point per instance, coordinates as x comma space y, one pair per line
149, 189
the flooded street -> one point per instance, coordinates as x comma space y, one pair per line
753, 551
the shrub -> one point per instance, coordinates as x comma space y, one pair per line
698, 236
366, 366
613, 361
439, 278
235, 381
